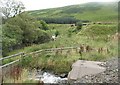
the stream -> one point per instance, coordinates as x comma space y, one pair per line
47, 77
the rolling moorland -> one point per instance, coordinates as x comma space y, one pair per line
93, 11
99, 32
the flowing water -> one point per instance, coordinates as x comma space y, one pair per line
50, 78
47, 77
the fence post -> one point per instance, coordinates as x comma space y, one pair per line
21, 58
1, 76
20, 64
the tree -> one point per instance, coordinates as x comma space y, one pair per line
56, 33
43, 25
79, 25
12, 37
27, 26
59, 20
10, 8
30, 27
20, 31
13, 31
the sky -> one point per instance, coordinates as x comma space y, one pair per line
44, 4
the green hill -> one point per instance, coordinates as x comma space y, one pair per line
93, 11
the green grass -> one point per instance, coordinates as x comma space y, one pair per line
63, 40
60, 63
30, 82
94, 11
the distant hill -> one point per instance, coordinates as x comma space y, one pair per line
93, 11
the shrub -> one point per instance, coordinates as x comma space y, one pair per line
23, 30
56, 33
79, 25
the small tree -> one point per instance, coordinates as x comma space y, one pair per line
44, 25
79, 25
56, 33
10, 8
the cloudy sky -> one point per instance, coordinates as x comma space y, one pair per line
43, 4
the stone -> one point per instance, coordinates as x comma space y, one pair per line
64, 75
82, 68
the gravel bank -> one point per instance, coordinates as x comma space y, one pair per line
108, 76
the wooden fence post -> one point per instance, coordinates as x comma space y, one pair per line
1, 76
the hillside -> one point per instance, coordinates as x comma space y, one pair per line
94, 11
32, 48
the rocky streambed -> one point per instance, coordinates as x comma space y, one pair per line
48, 77
110, 75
